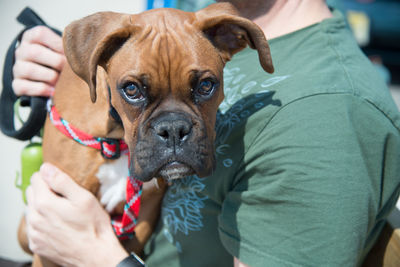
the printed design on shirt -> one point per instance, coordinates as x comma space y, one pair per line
183, 201
236, 107
181, 210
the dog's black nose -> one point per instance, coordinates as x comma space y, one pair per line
173, 129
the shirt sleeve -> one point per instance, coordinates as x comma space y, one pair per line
308, 190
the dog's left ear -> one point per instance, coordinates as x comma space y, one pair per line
230, 33
91, 41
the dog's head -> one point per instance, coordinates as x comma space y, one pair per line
164, 68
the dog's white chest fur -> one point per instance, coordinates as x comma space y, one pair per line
113, 179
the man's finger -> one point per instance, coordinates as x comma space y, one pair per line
32, 88
34, 72
44, 36
62, 184
29, 194
40, 196
41, 55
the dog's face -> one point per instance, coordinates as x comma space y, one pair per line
164, 68
167, 96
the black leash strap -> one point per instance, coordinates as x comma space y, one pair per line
37, 115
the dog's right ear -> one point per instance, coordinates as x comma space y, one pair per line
230, 33
92, 40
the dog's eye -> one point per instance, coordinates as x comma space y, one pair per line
206, 87
132, 92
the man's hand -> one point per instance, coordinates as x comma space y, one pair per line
67, 225
238, 263
38, 61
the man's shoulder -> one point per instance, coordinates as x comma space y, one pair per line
321, 60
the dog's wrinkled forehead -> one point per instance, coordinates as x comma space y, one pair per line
172, 35
161, 18
167, 52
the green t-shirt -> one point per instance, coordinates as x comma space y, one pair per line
308, 162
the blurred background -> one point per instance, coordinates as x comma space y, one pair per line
376, 26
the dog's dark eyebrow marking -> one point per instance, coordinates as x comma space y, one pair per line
144, 80
196, 75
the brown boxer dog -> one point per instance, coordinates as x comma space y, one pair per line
164, 68
162, 71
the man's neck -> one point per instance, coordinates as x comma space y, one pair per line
287, 16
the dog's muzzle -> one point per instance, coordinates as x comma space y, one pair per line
173, 145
